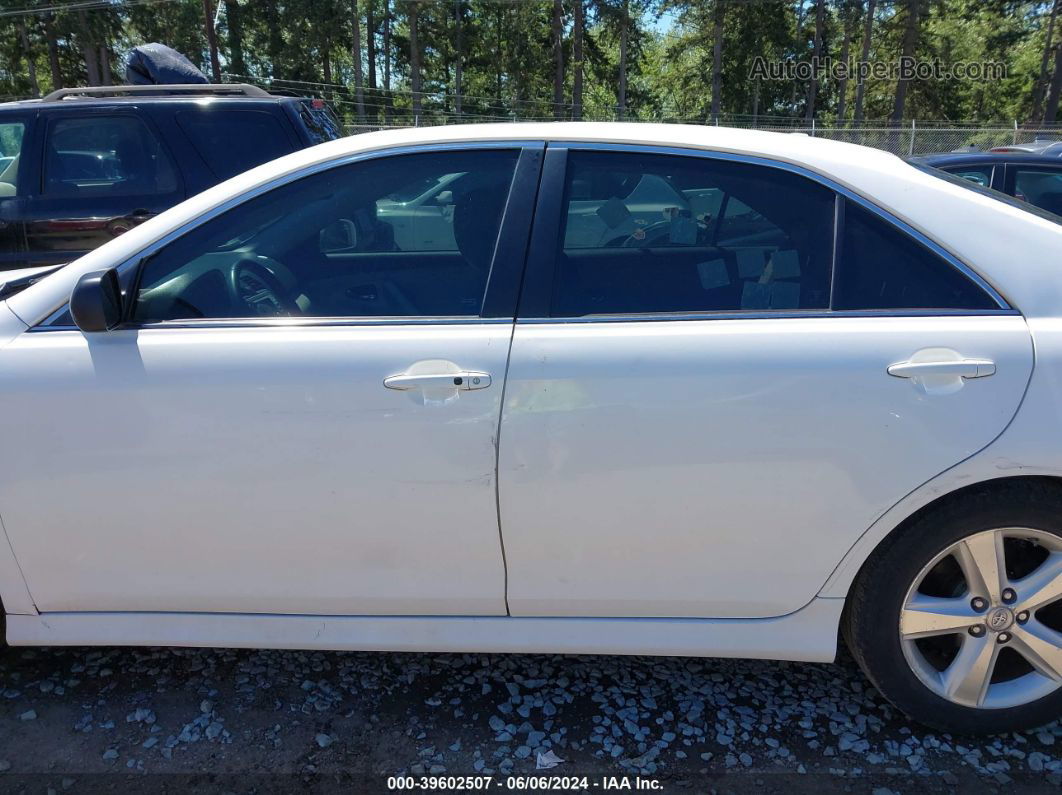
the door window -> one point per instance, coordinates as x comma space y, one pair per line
100, 156
979, 175
10, 148
660, 233
1040, 186
402, 236
882, 268
232, 141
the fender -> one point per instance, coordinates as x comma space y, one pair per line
14, 594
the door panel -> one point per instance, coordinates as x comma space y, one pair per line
254, 470
722, 468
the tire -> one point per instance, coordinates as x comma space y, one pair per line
1027, 518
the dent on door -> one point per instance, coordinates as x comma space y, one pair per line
722, 468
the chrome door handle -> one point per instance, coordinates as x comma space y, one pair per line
963, 368
465, 380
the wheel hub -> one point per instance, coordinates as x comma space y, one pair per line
999, 619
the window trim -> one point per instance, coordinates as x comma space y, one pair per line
502, 287
535, 302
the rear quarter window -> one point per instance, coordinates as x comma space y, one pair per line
232, 141
880, 267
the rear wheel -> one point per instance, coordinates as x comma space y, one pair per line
958, 619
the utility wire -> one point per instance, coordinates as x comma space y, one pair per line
84, 5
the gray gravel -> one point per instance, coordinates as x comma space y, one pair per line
264, 721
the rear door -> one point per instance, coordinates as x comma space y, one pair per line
102, 172
701, 421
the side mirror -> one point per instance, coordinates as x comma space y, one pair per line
96, 302
338, 236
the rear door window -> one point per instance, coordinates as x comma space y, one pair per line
93, 156
648, 233
1040, 186
11, 134
979, 175
232, 141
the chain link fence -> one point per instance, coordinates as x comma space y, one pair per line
906, 140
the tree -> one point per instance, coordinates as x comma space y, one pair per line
912, 29
88, 48
370, 41
558, 59
53, 51
1051, 109
1042, 81
415, 60
459, 55
235, 38
27, 52
717, 60
849, 19
355, 55
861, 87
577, 59
816, 53
621, 94
212, 40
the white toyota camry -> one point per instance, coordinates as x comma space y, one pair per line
569, 388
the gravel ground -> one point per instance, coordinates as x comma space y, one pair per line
168, 720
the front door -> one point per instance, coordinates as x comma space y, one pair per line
701, 418
297, 417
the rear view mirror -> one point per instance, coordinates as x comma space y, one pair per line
96, 302
341, 235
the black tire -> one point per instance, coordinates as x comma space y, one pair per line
871, 619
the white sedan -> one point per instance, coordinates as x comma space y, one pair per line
801, 387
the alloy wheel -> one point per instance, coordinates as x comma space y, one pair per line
981, 625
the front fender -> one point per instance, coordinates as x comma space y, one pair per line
14, 595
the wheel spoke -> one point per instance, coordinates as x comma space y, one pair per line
926, 616
966, 680
1041, 587
1041, 646
983, 564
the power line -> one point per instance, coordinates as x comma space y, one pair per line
84, 5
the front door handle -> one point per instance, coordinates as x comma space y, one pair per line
963, 368
465, 380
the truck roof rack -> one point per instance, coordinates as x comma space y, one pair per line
222, 89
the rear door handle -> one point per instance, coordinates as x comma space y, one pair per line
964, 368
465, 380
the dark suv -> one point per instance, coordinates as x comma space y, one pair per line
83, 165
1032, 178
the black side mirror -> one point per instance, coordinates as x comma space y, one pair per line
96, 302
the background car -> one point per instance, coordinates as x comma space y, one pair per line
830, 401
1039, 147
83, 165
1031, 178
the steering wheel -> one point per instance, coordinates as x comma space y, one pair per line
261, 291
653, 235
